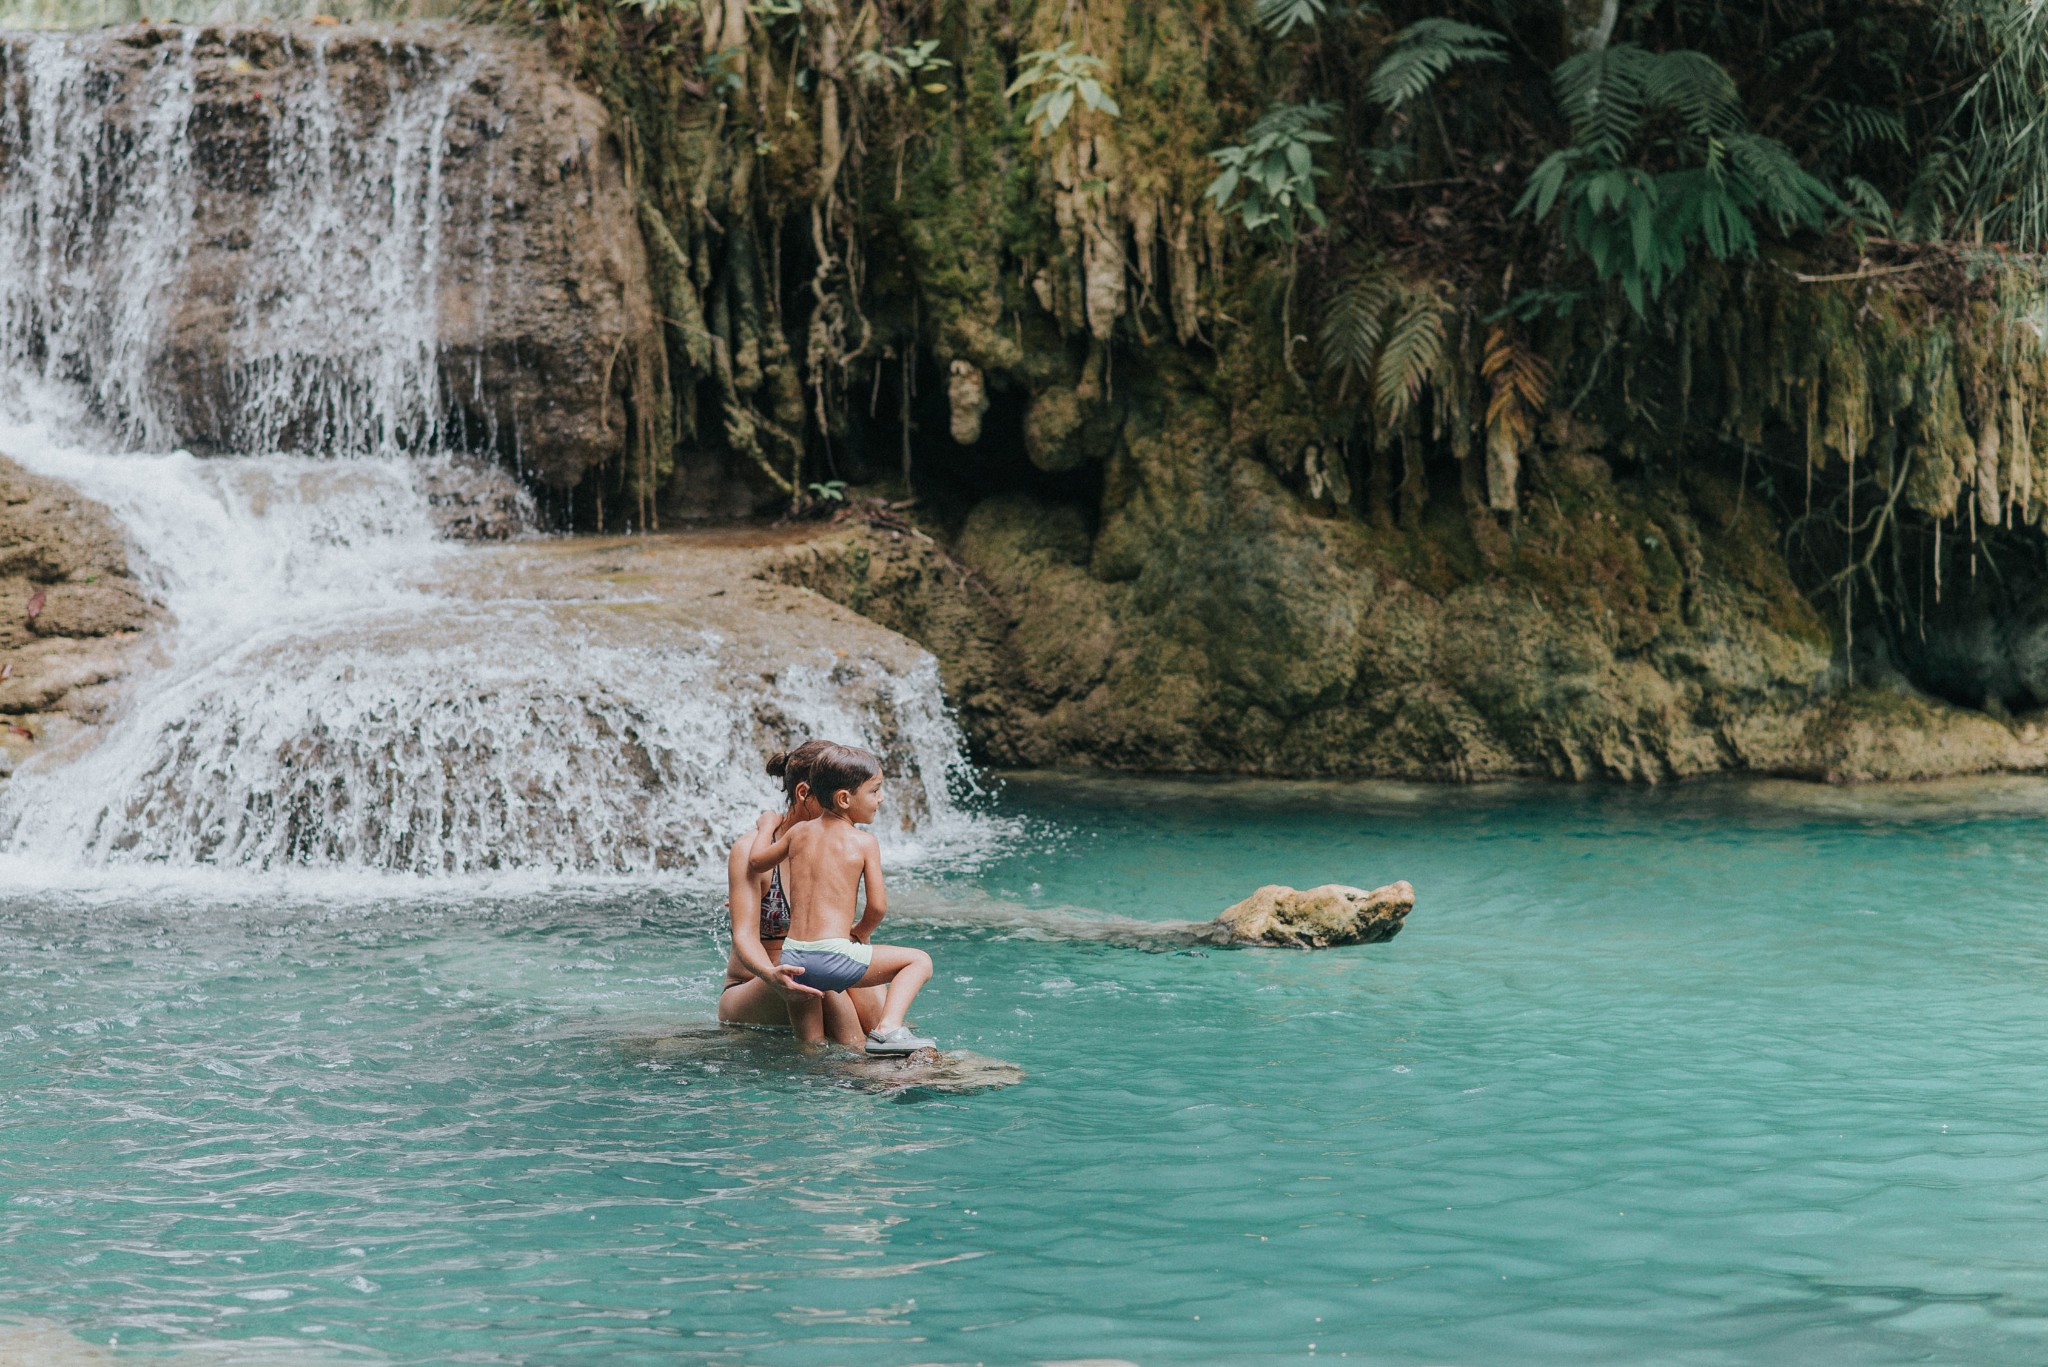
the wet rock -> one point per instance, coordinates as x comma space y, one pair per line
1316, 918
62, 665
932, 1072
471, 501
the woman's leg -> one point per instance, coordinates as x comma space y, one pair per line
905, 970
753, 1002
807, 1018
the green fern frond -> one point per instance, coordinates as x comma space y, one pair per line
1781, 187
1424, 51
1870, 205
1602, 93
1802, 49
1852, 127
1694, 87
1354, 322
1938, 188
1413, 350
1282, 17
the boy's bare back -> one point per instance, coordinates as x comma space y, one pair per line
827, 860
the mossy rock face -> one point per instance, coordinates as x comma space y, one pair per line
1215, 622
1878, 734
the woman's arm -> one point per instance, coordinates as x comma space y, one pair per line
745, 904
878, 899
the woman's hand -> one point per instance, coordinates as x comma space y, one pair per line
783, 980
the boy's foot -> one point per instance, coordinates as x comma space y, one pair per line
898, 1040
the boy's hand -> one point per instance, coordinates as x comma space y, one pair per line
785, 982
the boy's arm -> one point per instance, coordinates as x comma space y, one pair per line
878, 899
768, 853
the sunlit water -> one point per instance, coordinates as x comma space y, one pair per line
1706, 1075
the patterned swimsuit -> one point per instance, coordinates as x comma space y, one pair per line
774, 926
775, 909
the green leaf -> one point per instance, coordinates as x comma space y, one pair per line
1282, 17
1278, 165
1223, 187
1424, 51
1057, 105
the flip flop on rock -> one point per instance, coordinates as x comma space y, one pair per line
898, 1041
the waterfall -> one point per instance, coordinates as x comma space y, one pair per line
343, 688
332, 326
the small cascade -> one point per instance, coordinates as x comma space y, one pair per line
348, 691
257, 271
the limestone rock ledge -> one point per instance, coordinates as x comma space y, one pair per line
65, 663
1317, 918
1630, 632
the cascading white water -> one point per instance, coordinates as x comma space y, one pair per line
345, 690
333, 344
95, 223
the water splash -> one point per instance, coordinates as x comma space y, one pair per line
85, 200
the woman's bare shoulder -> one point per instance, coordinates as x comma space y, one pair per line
743, 848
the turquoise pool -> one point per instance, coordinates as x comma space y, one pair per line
1724, 1074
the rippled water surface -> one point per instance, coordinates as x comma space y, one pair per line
1709, 1075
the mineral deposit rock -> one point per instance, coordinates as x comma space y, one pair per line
72, 615
1317, 918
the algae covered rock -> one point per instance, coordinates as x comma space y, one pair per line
1318, 917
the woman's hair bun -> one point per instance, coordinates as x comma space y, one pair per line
793, 766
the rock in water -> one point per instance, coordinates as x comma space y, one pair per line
930, 1072
64, 556
1318, 918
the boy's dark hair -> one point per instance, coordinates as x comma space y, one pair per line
794, 766
842, 768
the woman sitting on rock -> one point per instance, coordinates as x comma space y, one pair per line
758, 988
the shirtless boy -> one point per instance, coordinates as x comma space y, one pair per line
829, 859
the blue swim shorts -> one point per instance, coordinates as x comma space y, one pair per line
828, 965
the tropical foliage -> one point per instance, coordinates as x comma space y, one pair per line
1789, 243
1275, 169
1062, 77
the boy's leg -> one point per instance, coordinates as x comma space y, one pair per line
843, 1021
869, 1003
905, 970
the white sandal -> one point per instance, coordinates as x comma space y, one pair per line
898, 1041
